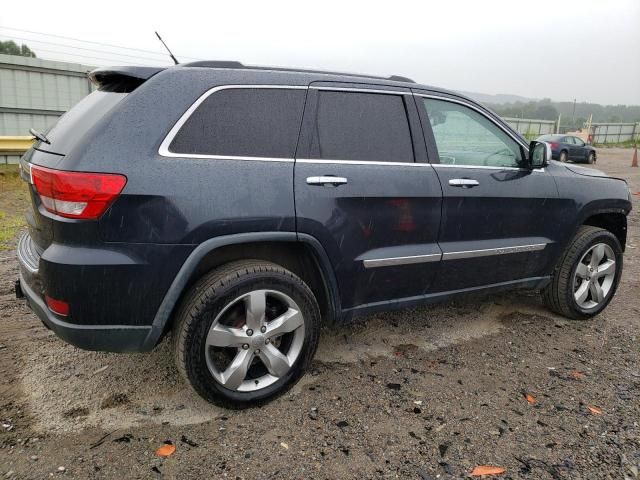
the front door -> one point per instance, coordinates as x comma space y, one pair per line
573, 148
499, 219
360, 191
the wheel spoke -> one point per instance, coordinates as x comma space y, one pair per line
597, 295
596, 255
275, 361
607, 268
581, 271
236, 372
582, 292
285, 323
256, 304
223, 336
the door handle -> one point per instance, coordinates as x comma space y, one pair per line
326, 181
463, 182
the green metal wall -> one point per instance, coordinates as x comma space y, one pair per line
34, 93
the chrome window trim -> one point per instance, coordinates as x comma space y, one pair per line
164, 146
361, 162
228, 157
485, 252
487, 167
360, 90
391, 261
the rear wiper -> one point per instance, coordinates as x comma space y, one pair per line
39, 136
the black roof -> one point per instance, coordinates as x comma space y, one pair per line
239, 66
125, 78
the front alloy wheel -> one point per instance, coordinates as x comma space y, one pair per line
587, 276
594, 276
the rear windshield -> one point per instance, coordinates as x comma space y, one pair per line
75, 124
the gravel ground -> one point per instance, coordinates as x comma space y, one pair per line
424, 393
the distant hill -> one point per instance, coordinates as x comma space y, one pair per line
498, 99
547, 109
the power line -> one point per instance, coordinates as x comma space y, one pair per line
110, 61
92, 42
13, 37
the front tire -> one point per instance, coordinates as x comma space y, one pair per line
587, 276
246, 332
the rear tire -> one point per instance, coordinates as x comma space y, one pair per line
563, 156
591, 158
594, 256
244, 325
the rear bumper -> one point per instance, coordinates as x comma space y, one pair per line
111, 338
107, 336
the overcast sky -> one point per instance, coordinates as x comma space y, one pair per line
562, 49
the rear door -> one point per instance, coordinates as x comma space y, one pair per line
499, 219
361, 193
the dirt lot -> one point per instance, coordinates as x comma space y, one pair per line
425, 393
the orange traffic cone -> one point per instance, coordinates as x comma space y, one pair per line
634, 162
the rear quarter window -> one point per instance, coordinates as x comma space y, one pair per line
243, 122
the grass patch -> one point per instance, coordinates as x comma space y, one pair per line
14, 200
627, 144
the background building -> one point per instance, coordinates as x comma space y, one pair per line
35, 93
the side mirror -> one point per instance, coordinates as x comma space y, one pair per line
539, 154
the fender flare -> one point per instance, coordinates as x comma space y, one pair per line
589, 210
179, 283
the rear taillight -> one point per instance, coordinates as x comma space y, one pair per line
554, 145
76, 194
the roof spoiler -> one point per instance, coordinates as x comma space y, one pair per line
122, 79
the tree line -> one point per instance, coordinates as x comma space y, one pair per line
9, 47
572, 114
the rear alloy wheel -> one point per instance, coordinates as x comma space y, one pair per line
246, 332
255, 340
591, 158
587, 276
563, 156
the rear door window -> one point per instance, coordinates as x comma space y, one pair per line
361, 126
243, 122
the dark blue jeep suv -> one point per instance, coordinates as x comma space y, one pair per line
241, 207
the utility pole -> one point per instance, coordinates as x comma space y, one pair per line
573, 117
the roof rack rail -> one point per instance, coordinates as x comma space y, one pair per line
238, 65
